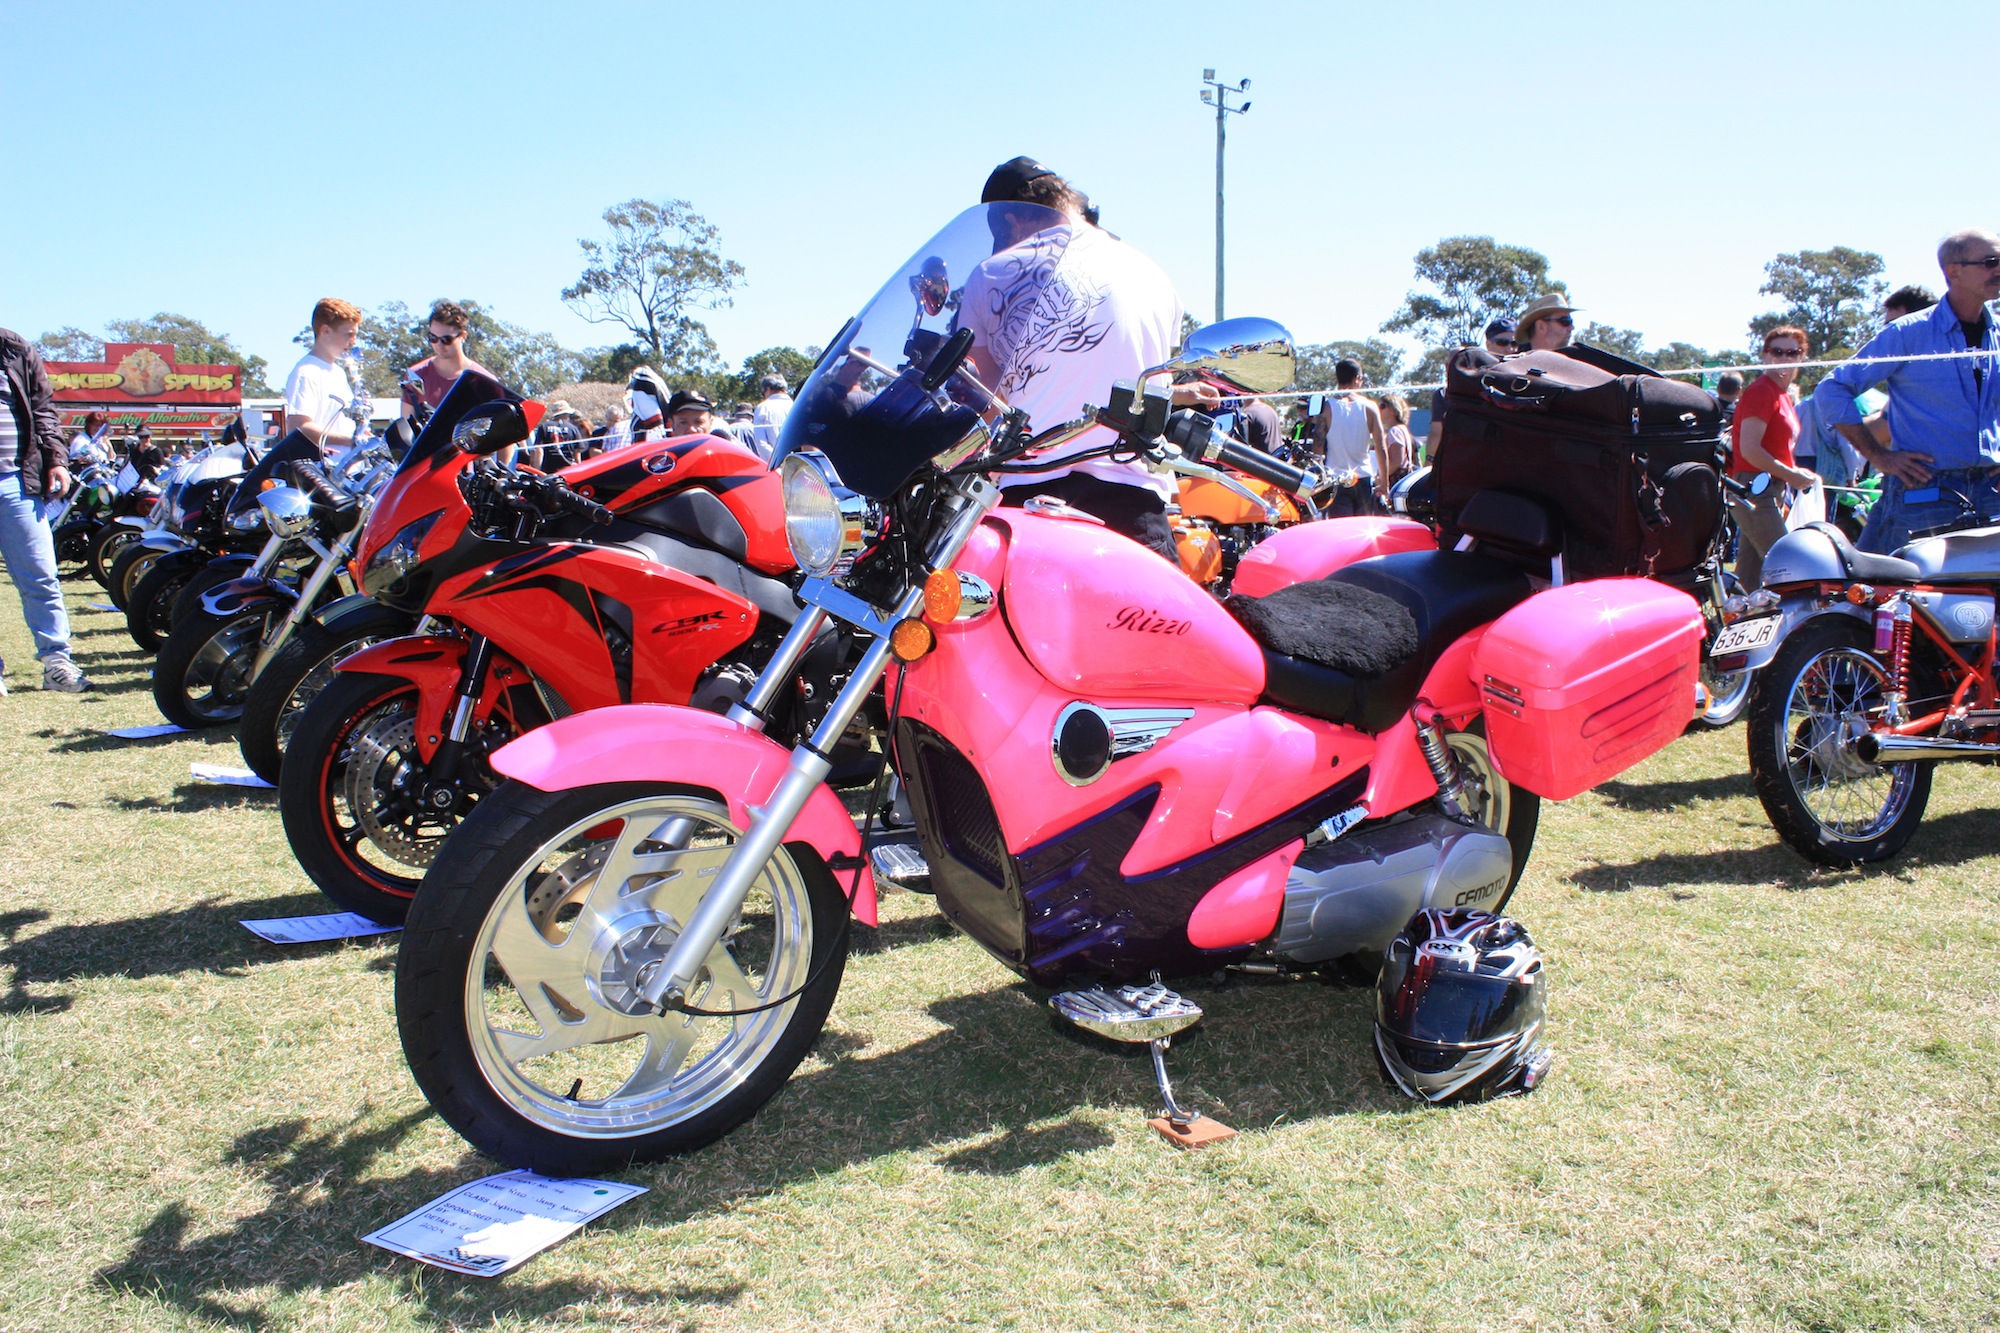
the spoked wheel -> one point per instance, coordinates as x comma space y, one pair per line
106, 545
203, 672
1820, 694
1495, 802
296, 674
517, 982
352, 793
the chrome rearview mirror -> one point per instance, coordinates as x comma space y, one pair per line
287, 512
1247, 355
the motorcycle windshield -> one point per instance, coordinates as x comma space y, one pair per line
468, 391
865, 406
294, 447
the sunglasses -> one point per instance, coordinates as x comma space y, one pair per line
1785, 353
1991, 261
1503, 342
437, 341
1563, 320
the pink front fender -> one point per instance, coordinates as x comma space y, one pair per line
687, 747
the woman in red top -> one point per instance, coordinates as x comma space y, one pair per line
1761, 439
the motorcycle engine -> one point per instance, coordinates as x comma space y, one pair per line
1352, 895
722, 686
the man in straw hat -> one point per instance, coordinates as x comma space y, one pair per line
1546, 326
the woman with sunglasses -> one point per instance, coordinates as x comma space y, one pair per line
1760, 442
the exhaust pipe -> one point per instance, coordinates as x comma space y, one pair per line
1879, 749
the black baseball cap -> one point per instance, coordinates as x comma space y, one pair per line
1010, 178
1502, 325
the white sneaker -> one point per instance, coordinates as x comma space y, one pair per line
63, 676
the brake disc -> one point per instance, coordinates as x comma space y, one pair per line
381, 785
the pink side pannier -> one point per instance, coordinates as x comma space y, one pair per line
1580, 683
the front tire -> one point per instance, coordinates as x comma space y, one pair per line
1823, 689
106, 545
1728, 692
72, 538
297, 673
132, 564
149, 611
203, 672
515, 983
351, 786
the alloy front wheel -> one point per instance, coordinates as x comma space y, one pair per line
518, 986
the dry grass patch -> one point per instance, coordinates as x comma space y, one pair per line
1774, 1106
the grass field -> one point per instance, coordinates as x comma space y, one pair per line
1774, 1105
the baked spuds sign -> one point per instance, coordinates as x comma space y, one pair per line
144, 372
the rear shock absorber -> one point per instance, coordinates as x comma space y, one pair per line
1444, 768
1892, 636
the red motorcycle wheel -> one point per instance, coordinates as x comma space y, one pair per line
349, 794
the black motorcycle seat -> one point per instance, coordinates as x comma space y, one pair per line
1957, 557
1446, 594
1866, 565
771, 596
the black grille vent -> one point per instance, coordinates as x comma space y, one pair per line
965, 817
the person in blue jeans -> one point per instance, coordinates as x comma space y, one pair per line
1944, 416
34, 461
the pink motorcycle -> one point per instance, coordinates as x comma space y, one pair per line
626, 950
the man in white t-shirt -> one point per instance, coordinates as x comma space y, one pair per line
317, 393
768, 421
1062, 314
1354, 444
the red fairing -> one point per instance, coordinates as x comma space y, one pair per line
433, 664
665, 743
1314, 550
639, 474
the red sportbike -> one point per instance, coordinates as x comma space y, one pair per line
542, 602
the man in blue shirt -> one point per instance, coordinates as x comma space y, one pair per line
1944, 416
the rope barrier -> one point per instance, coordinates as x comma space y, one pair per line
1686, 370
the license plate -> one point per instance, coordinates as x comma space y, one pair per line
1745, 635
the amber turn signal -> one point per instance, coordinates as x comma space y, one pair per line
911, 639
942, 597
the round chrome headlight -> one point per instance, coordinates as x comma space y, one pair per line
813, 521
286, 510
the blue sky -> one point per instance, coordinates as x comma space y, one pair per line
236, 162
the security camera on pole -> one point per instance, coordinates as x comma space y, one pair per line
1217, 95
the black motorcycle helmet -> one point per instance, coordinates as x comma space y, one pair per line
1459, 1008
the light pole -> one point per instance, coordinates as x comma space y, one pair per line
1217, 96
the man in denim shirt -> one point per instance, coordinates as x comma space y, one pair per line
1944, 416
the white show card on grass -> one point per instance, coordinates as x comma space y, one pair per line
485, 1228
226, 776
315, 929
146, 733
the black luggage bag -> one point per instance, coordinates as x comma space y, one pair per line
1628, 459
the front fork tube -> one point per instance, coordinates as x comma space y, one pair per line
441, 774
754, 711
274, 546
668, 986
281, 633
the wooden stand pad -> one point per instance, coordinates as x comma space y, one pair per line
1197, 1135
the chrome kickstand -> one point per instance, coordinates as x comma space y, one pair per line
1178, 1117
